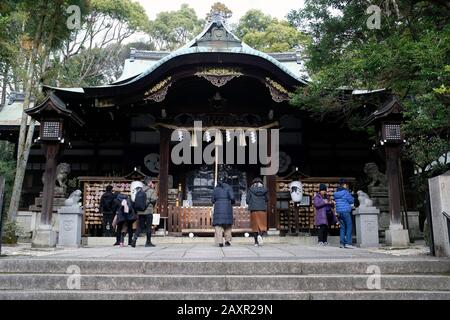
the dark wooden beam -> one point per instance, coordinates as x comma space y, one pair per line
51, 153
392, 173
272, 188
164, 158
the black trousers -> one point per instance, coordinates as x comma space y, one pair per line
323, 233
108, 230
145, 224
120, 237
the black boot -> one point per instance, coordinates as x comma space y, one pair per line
122, 239
149, 243
134, 240
130, 238
117, 239
255, 236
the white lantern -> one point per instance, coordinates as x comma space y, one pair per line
296, 190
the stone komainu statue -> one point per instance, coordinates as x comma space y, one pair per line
73, 199
62, 173
364, 200
375, 176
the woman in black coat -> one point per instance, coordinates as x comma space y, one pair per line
223, 199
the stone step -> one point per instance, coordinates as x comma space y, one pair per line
197, 283
299, 240
227, 267
223, 296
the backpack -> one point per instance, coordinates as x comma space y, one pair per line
140, 202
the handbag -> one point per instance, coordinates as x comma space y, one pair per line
331, 217
156, 219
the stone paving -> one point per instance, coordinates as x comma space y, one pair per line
207, 251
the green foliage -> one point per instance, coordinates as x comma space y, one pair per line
277, 37
172, 29
408, 55
253, 21
7, 168
267, 34
10, 232
127, 11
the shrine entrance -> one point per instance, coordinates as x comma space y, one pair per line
220, 81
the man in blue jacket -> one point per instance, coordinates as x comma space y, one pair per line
344, 201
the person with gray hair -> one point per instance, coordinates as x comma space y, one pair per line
257, 199
144, 203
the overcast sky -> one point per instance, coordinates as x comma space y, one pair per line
276, 8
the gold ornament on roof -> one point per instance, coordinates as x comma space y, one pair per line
219, 76
277, 91
159, 91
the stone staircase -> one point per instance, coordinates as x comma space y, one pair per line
401, 278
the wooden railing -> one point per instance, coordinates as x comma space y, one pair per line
199, 219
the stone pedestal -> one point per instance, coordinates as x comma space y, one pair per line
44, 237
273, 232
396, 236
413, 224
440, 202
70, 222
366, 219
26, 221
58, 202
380, 198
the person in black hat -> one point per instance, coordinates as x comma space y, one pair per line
222, 221
344, 201
106, 202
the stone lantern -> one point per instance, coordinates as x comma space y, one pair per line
53, 117
387, 121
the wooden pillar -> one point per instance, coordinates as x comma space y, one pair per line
392, 173
2, 190
272, 188
164, 158
51, 152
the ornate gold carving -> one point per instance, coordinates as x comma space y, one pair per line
159, 91
219, 76
277, 91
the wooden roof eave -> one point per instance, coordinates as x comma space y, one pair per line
55, 104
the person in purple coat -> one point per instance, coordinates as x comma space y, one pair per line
323, 205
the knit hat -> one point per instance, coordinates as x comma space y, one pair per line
257, 180
323, 187
342, 181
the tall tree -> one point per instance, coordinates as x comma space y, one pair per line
253, 20
87, 55
45, 28
172, 29
220, 9
268, 34
408, 53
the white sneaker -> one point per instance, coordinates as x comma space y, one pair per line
256, 245
325, 244
349, 246
321, 243
260, 240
